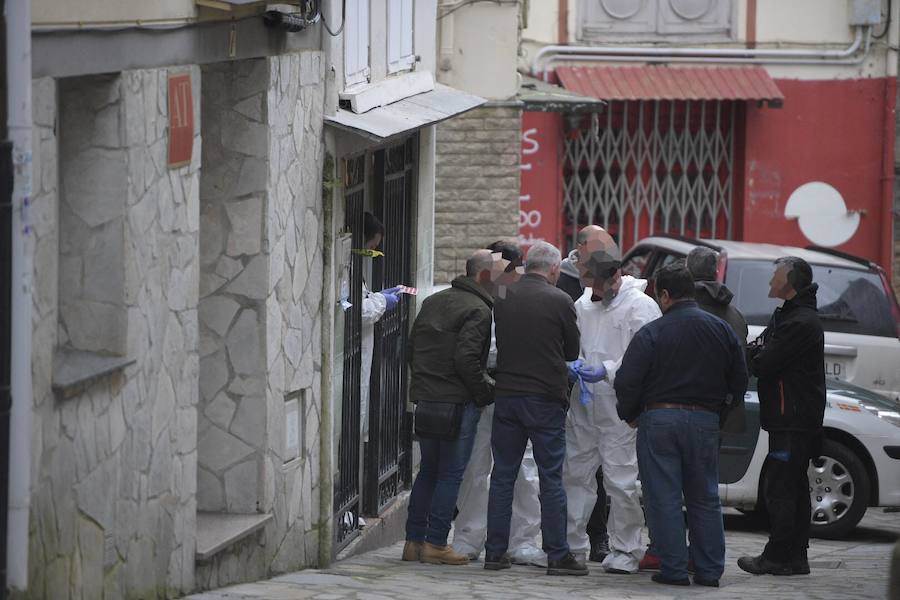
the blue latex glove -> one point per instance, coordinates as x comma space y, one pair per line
390, 300
573, 369
592, 374
585, 394
392, 290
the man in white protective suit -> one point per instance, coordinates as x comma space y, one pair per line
610, 312
470, 526
374, 305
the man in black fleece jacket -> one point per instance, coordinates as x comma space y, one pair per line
789, 360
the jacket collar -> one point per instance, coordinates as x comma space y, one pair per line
805, 297
468, 284
683, 305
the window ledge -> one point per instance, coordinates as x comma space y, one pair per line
73, 370
217, 531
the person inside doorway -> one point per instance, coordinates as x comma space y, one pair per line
374, 305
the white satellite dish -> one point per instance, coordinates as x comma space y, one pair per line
822, 214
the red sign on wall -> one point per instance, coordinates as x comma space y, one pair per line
540, 199
181, 119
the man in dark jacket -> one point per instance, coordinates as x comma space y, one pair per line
676, 375
789, 360
448, 349
715, 298
537, 333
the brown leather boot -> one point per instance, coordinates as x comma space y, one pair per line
412, 551
442, 555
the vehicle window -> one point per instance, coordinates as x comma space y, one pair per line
635, 264
850, 300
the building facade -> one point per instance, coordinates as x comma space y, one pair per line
198, 183
749, 119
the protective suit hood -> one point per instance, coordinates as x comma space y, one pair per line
630, 286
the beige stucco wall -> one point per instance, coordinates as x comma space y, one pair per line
54, 12
478, 49
779, 24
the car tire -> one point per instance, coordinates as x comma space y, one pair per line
839, 491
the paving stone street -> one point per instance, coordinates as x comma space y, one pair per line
849, 569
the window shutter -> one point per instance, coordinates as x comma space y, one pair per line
356, 42
400, 35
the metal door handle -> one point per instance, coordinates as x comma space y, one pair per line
840, 350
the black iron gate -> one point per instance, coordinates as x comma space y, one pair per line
347, 476
388, 465
368, 479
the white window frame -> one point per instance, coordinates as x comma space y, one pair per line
401, 54
356, 42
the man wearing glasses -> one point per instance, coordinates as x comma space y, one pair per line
610, 312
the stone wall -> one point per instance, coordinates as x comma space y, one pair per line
477, 185
114, 461
261, 289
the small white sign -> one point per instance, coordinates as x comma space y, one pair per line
291, 429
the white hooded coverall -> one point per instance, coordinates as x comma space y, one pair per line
596, 436
373, 307
470, 526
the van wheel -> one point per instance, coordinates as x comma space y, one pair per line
839, 490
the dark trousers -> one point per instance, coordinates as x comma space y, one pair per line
516, 420
787, 494
596, 527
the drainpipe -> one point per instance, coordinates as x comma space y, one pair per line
18, 69
549, 54
887, 176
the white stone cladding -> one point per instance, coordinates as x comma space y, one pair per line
114, 466
260, 307
477, 185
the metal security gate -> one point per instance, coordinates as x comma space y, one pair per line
347, 477
388, 465
644, 167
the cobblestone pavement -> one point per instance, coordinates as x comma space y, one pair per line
849, 569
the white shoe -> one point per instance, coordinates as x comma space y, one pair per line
529, 555
621, 563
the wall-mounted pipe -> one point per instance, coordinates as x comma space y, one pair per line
555, 53
18, 69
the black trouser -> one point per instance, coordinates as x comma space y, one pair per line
596, 526
787, 495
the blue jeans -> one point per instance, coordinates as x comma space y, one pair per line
433, 497
678, 453
516, 420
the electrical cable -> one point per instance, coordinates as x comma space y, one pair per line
343, 19
887, 23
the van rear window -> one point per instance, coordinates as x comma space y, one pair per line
850, 300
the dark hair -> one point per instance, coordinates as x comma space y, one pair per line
372, 226
800, 273
510, 251
675, 279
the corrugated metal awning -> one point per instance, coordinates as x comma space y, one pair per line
406, 115
671, 83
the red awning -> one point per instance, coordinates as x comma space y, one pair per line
671, 83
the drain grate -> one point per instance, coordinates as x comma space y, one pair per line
825, 564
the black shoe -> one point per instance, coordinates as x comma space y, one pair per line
800, 566
706, 582
658, 578
567, 565
599, 548
497, 563
760, 565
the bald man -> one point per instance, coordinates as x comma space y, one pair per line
610, 312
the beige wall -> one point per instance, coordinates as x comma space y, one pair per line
478, 50
55, 12
779, 24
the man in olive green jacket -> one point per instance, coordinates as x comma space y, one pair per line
448, 350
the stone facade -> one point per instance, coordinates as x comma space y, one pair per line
477, 185
116, 271
260, 307
207, 285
